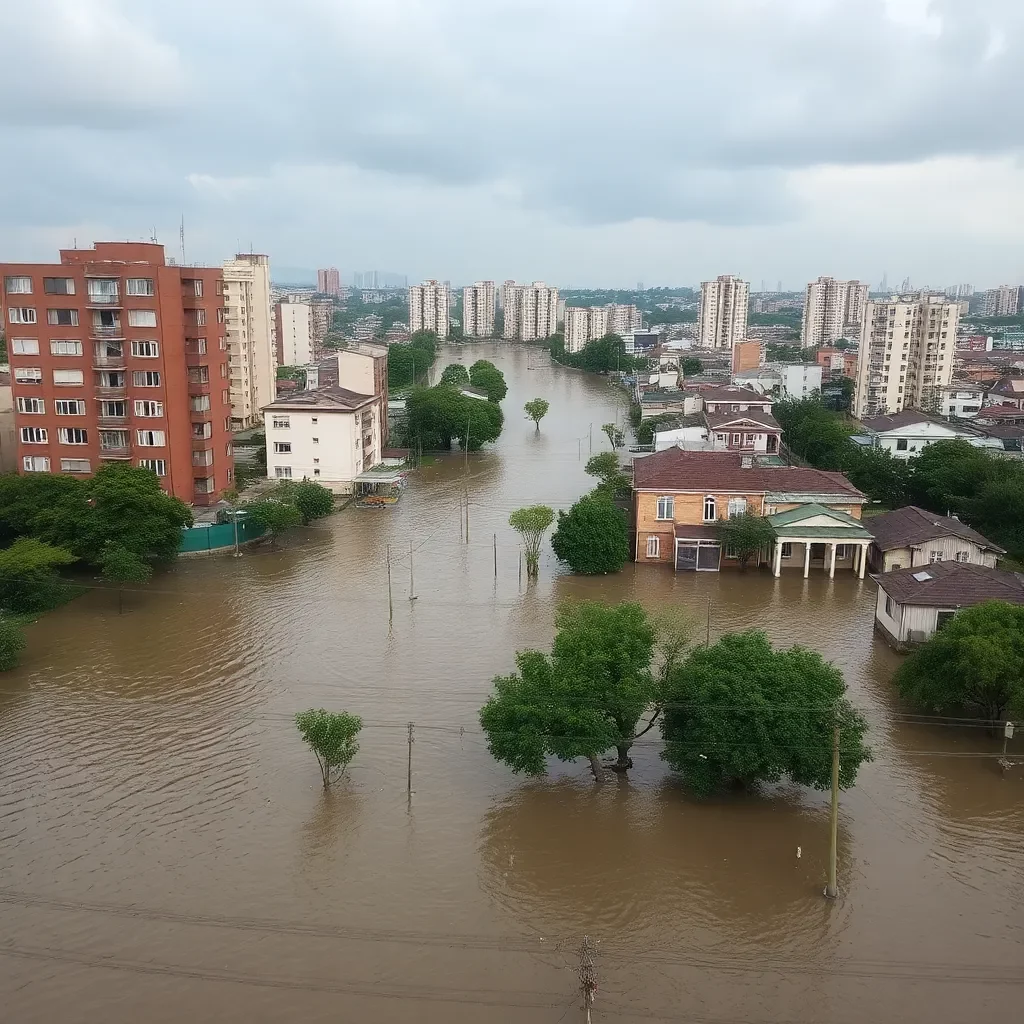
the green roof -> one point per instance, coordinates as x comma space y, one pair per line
790, 524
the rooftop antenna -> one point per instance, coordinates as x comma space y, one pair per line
182, 234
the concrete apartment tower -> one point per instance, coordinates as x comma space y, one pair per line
249, 323
723, 312
531, 310
1001, 301
905, 356
429, 305
328, 282
293, 323
832, 310
478, 310
117, 356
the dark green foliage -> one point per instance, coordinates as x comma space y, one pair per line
602, 355
745, 535
975, 663
408, 363
531, 524
605, 466
584, 699
28, 576
23, 498
454, 373
274, 516
332, 736
646, 429
739, 713
313, 500
119, 565
691, 365
438, 416
593, 536
537, 409
485, 375
12, 643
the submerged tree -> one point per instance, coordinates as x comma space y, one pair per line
537, 409
273, 516
531, 524
745, 535
605, 466
484, 374
454, 373
332, 738
593, 536
615, 436
119, 565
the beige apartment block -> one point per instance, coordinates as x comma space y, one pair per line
531, 310
478, 301
723, 312
249, 332
429, 306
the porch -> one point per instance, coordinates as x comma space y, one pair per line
813, 536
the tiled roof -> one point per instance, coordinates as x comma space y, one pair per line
759, 416
332, 397
734, 393
910, 526
704, 472
951, 585
906, 418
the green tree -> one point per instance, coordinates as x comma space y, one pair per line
531, 524
12, 643
593, 536
119, 565
998, 510
454, 373
616, 438
974, 663
28, 576
691, 365
587, 697
25, 500
745, 535
878, 474
313, 500
613, 482
273, 516
537, 409
332, 736
738, 713
947, 475
484, 374
483, 423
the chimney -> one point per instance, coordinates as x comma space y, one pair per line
746, 461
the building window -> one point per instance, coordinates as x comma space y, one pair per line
941, 618
316, 440
72, 435
203, 485
35, 464
145, 349
770, 510
113, 439
151, 438
901, 443
737, 438
69, 407
102, 290
118, 409
787, 549
21, 315
142, 318
24, 347
33, 435
59, 285
737, 506
68, 377
201, 403
158, 466
653, 547
666, 507
62, 317
283, 472
710, 509
934, 556
316, 472
18, 285
890, 607
32, 406
283, 447
28, 375
75, 466
963, 556
146, 378
65, 348
197, 287
281, 422
149, 409
139, 286
313, 419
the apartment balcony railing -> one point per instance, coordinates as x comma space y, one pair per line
202, 444
113, 421
107, 333
203, 457
106, 301
197, 390
109, 362
116, 452
196, 358
110, 392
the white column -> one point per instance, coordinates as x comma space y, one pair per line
807, 558
832, 561
777, 566
863, 559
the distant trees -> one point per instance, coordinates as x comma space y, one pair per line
485, 375
602, 355
537, 409
974, 663
745, 535
408, 362
531, 524
690, 366
332, 736
593, 536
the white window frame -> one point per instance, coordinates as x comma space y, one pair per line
963, 556
68, 379
12, 284
28, 375
21, 315
139, 286
934, 556
737, 506
69, 284
29, 464
282, 447
281, 422
138, 346
158, 466
148, 409
24, 346
145, 378
653, 547
710, 502
78, 403
72, 435
59, 347
34, 435
136, 318
75, 466
666, 509
53, 317
283, 472
151, 438
787, 549
31, 406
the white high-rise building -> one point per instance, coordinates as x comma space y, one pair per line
478, 310
832, 309
585, 323
1001, 301
531, 310
723, 312
429, 304
293, 323
249, 334
622, 319
905, 356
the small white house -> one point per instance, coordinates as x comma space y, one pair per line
799, 380
961, 400
329, 435
906, 434
910, 537
912, 604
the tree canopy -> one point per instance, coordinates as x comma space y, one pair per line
12, 643
616, 438
738, 713
606, 467
587, 697
313, 500
29, 581
531, 524
593, 536
691, 365
484, 374
440, 415
974, 663
119, 565
745, 535
602, 355
537, 409
332, 736
454, 373
409, 361
273, 515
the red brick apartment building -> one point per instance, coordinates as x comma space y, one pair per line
117, 356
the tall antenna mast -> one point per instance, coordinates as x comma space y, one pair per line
182, 233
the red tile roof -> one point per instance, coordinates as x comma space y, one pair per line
678, 470
951, 585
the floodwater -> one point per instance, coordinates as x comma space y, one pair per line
168, 854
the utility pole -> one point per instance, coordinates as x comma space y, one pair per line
467, 511
408, 777
391, 604
708, 639
460, 519
591, 435
830, 890
412, 581
588, 975
495, 556
579, 448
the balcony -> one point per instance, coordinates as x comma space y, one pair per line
203, 457
110, 392
202, 444
116, 452
197, 390
113, 421
196, 359
103, 301
107, 333
109, 362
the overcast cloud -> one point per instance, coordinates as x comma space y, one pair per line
583, 141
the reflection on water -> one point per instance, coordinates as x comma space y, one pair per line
151, 761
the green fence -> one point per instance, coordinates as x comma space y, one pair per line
216, 538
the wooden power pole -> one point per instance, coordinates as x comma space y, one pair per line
831, 891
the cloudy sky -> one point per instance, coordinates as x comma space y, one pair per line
586, 142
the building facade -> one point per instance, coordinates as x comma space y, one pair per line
1002, 301
905, 356
328, 282
478, 303
362, 369
117, 357
910, 537
249, 333
722, 320
530, 310
429, 308
583, 324
293, 331
832, 310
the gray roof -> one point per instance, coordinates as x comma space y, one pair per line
328, 398
951, 585
906, 418
912, 526
758, 416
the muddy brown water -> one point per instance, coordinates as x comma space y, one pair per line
168, 854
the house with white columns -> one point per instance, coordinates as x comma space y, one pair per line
825, 536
